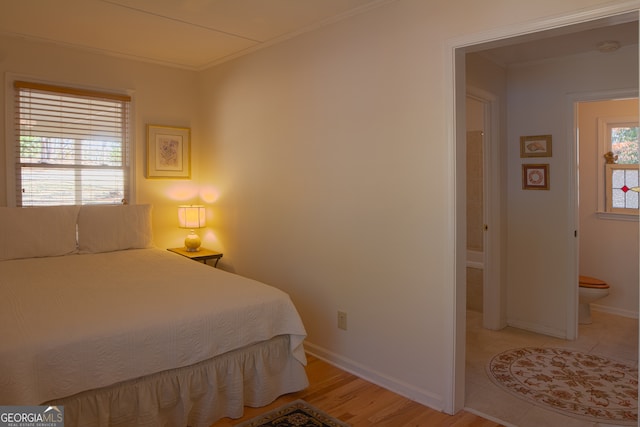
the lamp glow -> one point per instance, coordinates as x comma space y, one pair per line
192, 217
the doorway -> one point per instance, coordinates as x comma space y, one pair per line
459, 51
475, 202
608, 241
484, 223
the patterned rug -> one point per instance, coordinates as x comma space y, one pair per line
294, 414
579, 385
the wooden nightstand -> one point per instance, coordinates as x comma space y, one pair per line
202, 255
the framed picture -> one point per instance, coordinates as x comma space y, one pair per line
535, 146
168, 152
535, 177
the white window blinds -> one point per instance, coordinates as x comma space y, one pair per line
72, 146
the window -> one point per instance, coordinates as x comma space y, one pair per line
622, 188
71, 146
624, 144
621, 184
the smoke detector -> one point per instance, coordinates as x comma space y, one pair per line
608, 46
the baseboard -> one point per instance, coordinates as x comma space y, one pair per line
489, 417
538, 329
562, 334
613, 310
424, 397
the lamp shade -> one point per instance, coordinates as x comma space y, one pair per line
191, 216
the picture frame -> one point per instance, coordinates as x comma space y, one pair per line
168, 152
535, 176
536, 146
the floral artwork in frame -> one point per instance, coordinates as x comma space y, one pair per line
535, 177
168, 152
535, 146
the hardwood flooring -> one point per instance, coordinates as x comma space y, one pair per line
360, 403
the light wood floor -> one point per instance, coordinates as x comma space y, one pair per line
360, 403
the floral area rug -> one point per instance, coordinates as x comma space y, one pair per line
580, 385
294, 414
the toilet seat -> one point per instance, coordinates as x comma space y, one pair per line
592, 283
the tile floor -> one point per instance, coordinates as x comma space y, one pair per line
609, 336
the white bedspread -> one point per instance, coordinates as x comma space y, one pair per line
81, 322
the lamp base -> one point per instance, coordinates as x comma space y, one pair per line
192, 242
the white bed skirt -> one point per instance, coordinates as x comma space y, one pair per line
196, 395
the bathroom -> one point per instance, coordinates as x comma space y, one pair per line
608, 247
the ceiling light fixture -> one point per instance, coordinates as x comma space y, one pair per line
608, 46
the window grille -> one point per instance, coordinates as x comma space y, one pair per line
623, 187
72, 146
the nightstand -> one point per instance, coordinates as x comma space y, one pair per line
202, 255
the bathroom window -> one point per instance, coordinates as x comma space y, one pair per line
624, 144
619, 171
623, 188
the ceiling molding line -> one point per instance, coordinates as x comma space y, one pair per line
288, 36
205, 64
181, 21
545, 24
103, 52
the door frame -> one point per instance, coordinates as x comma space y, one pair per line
573, 100
493, 303
455, 87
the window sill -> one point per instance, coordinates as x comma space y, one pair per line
618, 216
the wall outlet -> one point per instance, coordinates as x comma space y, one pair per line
342, 320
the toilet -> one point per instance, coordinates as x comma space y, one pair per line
591, 289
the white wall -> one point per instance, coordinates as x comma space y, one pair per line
335, 175
161, 96
325, 161
608, 247
540, 226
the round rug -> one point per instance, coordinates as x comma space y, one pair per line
576, 384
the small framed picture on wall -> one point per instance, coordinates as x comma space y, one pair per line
535, 146
535, 177
168, 152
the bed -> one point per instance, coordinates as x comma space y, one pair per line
122, 333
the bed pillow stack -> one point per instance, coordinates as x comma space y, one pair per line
105, 228
35, 232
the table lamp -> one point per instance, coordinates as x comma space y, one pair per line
191, 217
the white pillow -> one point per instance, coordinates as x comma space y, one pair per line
106, 228
33, 232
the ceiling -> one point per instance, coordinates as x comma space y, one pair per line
192, 34
603, 35
196, 34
